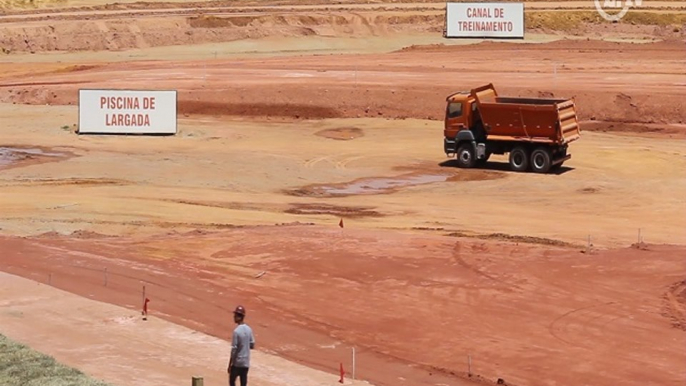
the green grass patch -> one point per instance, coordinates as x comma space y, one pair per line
22, 366
570, 20
654, 18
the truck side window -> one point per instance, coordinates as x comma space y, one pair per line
454, 110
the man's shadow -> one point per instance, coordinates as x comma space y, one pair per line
500, 166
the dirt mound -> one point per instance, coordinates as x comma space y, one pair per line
49, 235
674, 129
675, 304
514, 239
589, 190
475, 175
333, 210
661, 48
76, 68
122, 33
256, 109
343, 133
88, 235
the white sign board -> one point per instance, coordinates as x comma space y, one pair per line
485, 20
127, 112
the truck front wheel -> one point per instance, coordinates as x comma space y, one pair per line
466, 157
519, 159
541, 160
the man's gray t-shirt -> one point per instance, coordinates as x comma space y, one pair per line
240, 346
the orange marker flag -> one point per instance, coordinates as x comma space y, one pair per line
342, 374
340, 223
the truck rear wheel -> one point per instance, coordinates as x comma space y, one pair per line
466, 157
519, 159
541, 160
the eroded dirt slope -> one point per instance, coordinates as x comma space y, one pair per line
618, 82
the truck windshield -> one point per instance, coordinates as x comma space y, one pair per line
454, 110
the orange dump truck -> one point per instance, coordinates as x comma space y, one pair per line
534, 131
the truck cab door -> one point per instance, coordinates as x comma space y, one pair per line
455, 119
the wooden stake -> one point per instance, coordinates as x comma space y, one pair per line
353, 363
469, 365
105, 276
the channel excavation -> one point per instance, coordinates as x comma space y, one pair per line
535, 131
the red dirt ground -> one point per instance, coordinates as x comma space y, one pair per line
414, 306
614, 84
537, 312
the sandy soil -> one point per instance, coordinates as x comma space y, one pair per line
88, 335
222, 171
294, 118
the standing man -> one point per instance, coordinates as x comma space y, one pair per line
242, 342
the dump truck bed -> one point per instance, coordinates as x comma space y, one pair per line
545, 120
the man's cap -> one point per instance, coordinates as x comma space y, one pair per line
240, 310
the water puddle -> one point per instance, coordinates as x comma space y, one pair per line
14, 155
370, 185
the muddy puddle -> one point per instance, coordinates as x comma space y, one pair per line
333, 210
370, 185
417, 175
341, 134
15, 156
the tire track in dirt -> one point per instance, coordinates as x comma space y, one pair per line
586, 319
506, 287
312, 162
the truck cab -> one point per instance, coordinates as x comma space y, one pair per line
462, 123
457, 114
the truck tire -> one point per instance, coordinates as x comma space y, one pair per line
541, 160
519, 159
466, 157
